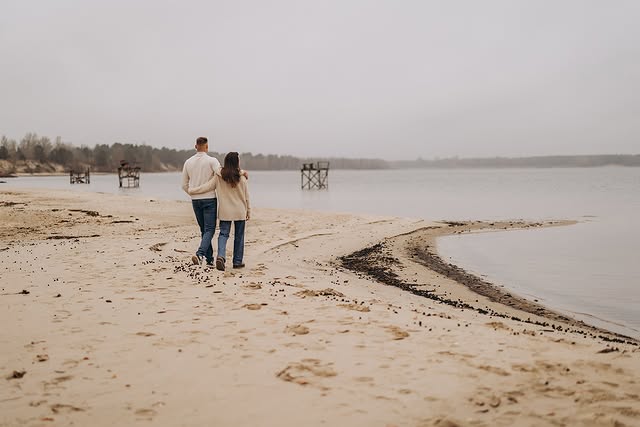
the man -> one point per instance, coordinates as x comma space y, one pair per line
197, 170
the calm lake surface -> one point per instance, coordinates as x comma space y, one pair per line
590, 270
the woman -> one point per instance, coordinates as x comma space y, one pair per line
233, 205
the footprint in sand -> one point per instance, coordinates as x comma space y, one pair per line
62, 379
398, 334
483, 401
146, 413
306, 293
443, 423
62, 408
259, 270
306, 372
497, 325
356, 307
494, 370
297, 330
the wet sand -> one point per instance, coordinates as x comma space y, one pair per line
420, 246
107, 322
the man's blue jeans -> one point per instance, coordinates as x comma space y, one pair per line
206, 211
238, 240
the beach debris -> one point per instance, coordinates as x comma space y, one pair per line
180, 250
330, 292
252, 306
122, 221
157, 247
71, 237
16, 375
377, 262
58, 296
454, 223
324, 292
609, 350
297, 330
42, 357
88, 212
23, 292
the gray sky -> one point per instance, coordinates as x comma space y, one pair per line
392, 79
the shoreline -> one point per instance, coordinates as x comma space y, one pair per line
383, 263
108, 322
422, 247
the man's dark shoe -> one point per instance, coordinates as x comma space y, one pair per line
220, 263
197, 260
238, 265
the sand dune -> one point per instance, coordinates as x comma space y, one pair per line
106, 322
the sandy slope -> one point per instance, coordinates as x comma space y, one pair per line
119, 329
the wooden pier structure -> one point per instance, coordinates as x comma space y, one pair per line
80, 177
128, 176
314, 176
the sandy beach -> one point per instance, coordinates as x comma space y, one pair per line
337, 319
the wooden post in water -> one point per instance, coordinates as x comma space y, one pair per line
79, 177
314, 176
128, 176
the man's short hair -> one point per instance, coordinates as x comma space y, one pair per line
201, 140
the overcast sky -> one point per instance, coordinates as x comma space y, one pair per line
393, 79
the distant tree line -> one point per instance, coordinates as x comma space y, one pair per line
39, 154
33, 154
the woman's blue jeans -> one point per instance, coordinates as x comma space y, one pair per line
206, 211
238, 240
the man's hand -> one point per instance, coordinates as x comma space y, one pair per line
245, 174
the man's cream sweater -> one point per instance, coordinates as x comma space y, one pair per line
233, 202
197, 170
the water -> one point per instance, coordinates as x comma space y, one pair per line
589, 270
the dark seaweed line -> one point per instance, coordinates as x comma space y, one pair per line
373, 262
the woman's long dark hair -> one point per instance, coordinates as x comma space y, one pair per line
231, 169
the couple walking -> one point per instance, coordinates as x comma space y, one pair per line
202, 179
